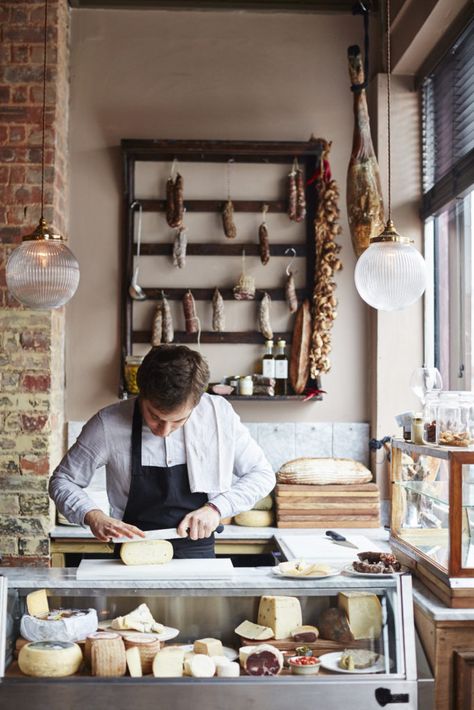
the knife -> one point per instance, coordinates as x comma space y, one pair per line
340, 539
163, 534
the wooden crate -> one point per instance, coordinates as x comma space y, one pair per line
313, 506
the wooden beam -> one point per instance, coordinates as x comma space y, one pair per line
313, 6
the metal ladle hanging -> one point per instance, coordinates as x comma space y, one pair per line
136, 292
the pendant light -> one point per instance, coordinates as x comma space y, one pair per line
42, 273
390, 274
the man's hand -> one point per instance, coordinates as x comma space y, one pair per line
104, 527
201, 523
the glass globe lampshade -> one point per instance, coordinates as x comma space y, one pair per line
42, 272
390, 274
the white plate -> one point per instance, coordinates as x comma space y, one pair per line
333, 573
348, 569
228, 652
330, 661
167, 634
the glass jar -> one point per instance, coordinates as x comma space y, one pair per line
466, 401
132, 363
450, 428
430, 415
417, 429
246, 385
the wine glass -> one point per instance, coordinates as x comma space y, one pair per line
425, 379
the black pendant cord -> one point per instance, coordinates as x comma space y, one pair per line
360, 9
44, 105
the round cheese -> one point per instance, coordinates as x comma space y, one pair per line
228, 670
108, 658
50, 659
200, 666
60, 625
148, 646
98, 636
255, 519
146, 552
264, 504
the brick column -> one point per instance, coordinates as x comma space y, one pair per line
31, 342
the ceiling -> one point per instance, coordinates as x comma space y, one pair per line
326, 6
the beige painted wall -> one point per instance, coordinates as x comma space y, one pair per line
151, 74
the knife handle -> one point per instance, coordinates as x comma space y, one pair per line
335, 536
219, 528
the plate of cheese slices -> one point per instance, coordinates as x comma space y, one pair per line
166, 634
305, 570
353, 661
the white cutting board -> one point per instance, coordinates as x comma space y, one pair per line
318, 547
90, 570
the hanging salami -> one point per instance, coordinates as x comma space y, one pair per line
191, 320
292, 192
157, 326
264, 323
263, 238
230, 230
170, 201
218, 315
168, 330
178, 201
179, 248
300, 196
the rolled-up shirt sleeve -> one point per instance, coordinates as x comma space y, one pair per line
74, 473
253, 476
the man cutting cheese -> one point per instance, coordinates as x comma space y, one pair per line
174, 457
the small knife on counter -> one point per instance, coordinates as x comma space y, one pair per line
340, 539
164, 534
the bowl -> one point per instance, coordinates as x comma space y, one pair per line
304, 665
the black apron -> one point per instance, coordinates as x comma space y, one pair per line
160, 497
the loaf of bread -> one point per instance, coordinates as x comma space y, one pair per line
323, 471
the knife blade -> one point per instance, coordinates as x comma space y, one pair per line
163, 534
339, 539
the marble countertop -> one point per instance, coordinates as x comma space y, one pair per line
245, 580
434, 608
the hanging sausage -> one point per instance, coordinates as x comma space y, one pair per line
263, 238
218, 315
300, 196
157, 326
264, 323
230, 230
168, 330
179, 248
190, 318
292, 193
174, 198
244, 290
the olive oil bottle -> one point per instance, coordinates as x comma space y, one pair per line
268, 361
281, 369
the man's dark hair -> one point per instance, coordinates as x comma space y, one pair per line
170, 375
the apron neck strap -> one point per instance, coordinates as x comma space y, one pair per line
137, 440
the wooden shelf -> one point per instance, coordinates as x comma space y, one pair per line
251, 336
275, 398
226, 249
206, 294
217, 205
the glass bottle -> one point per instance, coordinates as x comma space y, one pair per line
268, 361
430, 415
466, 403
281, 370
132, 363
246, 385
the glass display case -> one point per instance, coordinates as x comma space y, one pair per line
215, 609
432, 524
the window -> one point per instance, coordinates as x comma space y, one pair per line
448, 209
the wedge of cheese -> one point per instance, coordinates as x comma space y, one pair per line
140, 619
146, 552
364, 614
37, 603
168, 663
134, 663
254, 632
208, 646
281, 614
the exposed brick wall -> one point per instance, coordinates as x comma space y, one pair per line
31, 342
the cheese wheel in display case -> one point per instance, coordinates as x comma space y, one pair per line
97, 636
228, 670
254, 519
146, 552
50, 659
108, 658
60, 625
168, 663
200, 666
148, 646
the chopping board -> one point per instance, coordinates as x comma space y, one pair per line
90, 570
318, 547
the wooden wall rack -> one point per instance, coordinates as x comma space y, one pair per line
248, 152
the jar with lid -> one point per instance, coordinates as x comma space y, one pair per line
466, 402
132, 363
246, 385
417, 429
450, 428
430, 415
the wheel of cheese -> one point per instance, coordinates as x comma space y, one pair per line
255, 519
264, 504
97, 636
146, 552
60, 625
228, 670
50, 659
108, 658
148, 646
200, 666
